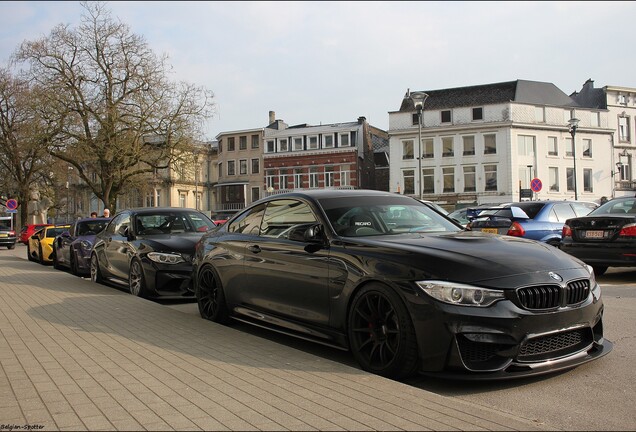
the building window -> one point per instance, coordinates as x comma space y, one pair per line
231, 168
269, 179
256, 166
428, 149
345, 175
447, 147
313, 177
220, 146
220, 169
490, 144
344, 140
623, 129
407, 149
327, 141
554, 179
587, 148
415, 119
469, 145
622, 99
298, 178
490, 174
298, 144
242, 143
553, 146
255, 141
230, 144
408, 178
256, 194
478, 113
282, 179
313, 142
243, 166
283, 145
469, 179
449, 179
428, 180
569, 151
182, 199
595, 119
446, 116
271, 146
539, 114
329, 177
587, 180
525, 145
569, 173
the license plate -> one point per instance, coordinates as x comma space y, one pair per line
490, 230
596, 234
4, 235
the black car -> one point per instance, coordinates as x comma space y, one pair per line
401, 286
604, 238
73, 248
149, 250
8, 236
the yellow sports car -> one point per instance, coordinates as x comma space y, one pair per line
40, 245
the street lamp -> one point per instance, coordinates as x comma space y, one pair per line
196, 181
574, 123
418, 99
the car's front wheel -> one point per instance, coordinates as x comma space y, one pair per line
11, 246
56, 264
381, 334
136, 281
210, 296
29, 256
96, 273
73, 264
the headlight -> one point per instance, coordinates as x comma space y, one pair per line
460, 294
86, 244
165, 258
596, 288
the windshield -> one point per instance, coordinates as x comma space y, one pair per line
382, 215
91, 227
172, 223
619, 206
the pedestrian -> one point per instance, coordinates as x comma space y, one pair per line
94, 214
106, 213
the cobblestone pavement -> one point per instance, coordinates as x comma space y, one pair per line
80, 356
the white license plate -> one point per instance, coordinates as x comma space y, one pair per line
596, 234
4, 235
490, 230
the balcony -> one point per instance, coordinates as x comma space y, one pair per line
625, 185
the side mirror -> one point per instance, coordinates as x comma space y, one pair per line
124, 231
313, 234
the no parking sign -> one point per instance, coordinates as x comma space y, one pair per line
536, 185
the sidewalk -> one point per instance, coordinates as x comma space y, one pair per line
80, 356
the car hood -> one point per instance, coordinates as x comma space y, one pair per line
472, 257
183, 243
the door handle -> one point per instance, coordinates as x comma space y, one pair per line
254, 248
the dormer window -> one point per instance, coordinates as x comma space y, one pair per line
446, 116
478, 113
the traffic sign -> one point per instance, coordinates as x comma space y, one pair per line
11, 204
536, 185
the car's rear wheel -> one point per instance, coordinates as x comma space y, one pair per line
136, 281
56, 264
40, 256
29, 256
210, 296
96, 273
381, 334
599, 270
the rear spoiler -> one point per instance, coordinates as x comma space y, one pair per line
517, 212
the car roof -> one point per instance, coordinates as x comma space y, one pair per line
333, 193
142, 210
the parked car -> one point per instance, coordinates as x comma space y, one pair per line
466, 214
535, 220
28, 230
72, 249
399, 285
7, 233
40, 245
149, 250
604, 238
435, 206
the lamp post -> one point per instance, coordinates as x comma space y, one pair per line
418, 99
574, 123
196, 182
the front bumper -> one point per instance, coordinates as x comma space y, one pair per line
168, 280
505, 341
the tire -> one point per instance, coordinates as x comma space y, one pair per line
210, 296
56, 265
136, 281
40, 254
11, 246
73, 264
96, 273
29, 256
599, 270
381, 334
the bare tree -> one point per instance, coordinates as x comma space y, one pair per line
121, 117
24, 139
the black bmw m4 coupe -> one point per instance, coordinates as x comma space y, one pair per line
402, 287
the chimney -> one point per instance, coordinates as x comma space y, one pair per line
272, 117
361, 119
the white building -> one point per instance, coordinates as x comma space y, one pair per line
485, 144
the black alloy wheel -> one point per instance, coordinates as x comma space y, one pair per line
73, 264
381, 334
96, 273
210, 296
136, 281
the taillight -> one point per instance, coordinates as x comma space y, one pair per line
566, 231
11, 233
628, 231
516, 230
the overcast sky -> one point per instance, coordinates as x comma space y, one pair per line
331, 62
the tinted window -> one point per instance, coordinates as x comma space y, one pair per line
171, 222
248, 222
54, 232
284, 218
621, 206
90, 227
563, 212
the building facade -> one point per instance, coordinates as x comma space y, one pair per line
486, 143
